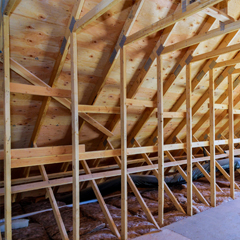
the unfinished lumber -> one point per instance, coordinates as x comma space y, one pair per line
123, 90
231, 136
93, 14
75, 136
54, 205
7, 129
160, 141
40, 91
189, 139
212, 139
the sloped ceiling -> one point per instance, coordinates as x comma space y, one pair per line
37, 28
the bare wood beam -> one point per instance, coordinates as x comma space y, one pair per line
54, 205
40, 91
93, 14
217, 52
170, 20
228, 63
160, 141
7, 130
189, 139
212, 139
218, 14
231, 136
75, 136
123, 93
231, 27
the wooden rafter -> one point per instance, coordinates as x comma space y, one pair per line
170, 20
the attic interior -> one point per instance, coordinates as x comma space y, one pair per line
118, 117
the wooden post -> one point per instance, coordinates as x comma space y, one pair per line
75, 136
160, 141
7, 131
231, 135
123, 143
212, 138
189, 138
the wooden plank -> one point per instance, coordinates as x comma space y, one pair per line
140, 103
231, 136
236, 111
96, 124
93, 14
212, 139
7, 130
216, 53
218, 14
160, 141
189, 139
98, 109
40, 91
169, 20
24, 162
227, 63
101, 202
54, 205
123, 93
231, 27
75, 136
220, 106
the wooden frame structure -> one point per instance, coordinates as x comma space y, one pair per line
130, 146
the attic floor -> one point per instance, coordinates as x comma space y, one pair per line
219, 223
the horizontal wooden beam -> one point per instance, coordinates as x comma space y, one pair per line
171, 19
140, 103
228, 28
218, 14
61, 158
114, 173
93, 14
216, 53
40, 91
173, 115
227, 63
225, 107
41, 151
98, 109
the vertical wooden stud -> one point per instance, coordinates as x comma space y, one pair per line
231, 135
123, 143
212, 139
75, 136
189, 138
160, 141
7, 130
